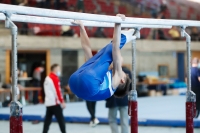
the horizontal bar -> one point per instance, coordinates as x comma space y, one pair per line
92, 17
58, 21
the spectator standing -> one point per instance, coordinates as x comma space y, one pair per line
71, 8
114, 104
53, 99
99, 32
37, 82
67, 31
195, 82
37, 75
41, 3
63, 5
195, 36
43, 76
159, 34
60, 4
174, 33
80, 6
91, 105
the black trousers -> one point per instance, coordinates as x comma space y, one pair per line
57, 111
196, 90
36, 83
91, 108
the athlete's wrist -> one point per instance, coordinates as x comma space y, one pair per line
81, 26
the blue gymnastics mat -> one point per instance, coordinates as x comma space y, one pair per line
152, 111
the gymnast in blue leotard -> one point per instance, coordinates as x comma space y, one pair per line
93, 80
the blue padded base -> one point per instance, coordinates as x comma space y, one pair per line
147, 122
152, 111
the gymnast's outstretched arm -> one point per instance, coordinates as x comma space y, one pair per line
117, 58
85, 42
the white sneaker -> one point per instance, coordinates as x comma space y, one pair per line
94, 122
197, 114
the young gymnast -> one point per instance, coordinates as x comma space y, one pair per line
93, 81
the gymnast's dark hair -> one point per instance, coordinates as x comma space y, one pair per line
54, 66
123, 89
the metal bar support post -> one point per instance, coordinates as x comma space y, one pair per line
190, 95
15, 106
132, 97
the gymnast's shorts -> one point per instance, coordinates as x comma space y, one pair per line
92, 81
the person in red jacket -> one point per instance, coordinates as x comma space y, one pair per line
53, 99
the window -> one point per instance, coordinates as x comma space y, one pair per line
69, 65
163, 70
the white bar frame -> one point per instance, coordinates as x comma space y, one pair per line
12, 9
37, 15
58, 21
